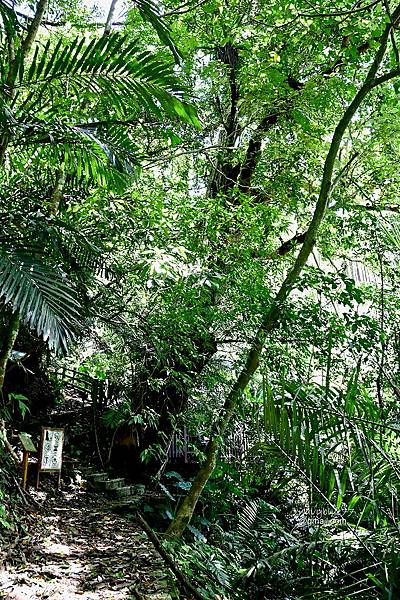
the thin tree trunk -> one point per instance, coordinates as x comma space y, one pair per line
41, 8
57, 193
271, 319
108, 25
26, 45
7, 345
184, 582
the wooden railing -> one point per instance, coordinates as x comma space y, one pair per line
233, 450
100, 392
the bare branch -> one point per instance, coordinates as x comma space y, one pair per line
341, 13
179, 11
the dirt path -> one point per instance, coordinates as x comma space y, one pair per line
80, 550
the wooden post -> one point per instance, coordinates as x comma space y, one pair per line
25, 462
27, 447
39, 460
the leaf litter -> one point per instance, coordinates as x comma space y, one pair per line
78, 550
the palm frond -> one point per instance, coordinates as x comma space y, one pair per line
42, 297
8, 18
304, 437
104, 156
391, 235
149, 12
110, 71
110, 65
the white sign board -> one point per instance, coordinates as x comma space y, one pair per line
52, 446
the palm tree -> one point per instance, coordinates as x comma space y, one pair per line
68, 107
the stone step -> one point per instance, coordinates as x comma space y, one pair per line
125, 505
122, 492
87, 469
95, 477
138, 489
112, 484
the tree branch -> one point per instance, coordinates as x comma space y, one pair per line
185, 583
341, 13
183, 10
6, 443
108, 25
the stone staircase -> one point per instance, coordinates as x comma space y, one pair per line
115, 488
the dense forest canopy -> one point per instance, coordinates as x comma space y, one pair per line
199, 213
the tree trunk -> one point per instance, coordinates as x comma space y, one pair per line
57, 193
33, 29
271, 319
108, 25
10, 336
26, 45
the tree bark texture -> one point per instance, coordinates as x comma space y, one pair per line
57, 193
6, 443
271, 319
27, 43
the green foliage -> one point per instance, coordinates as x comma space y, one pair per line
68, 108
10, 508
149, 11
110, 71
171, 271
41, 296
17, 404
4, 519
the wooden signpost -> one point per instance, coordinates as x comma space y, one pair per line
50, 452
27, 448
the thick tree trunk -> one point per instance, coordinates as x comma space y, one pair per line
271, 319
10, 336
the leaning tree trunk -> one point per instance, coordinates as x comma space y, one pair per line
270, 320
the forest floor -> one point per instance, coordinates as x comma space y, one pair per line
76, 548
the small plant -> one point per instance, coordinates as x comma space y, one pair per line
4, 521
16, 406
